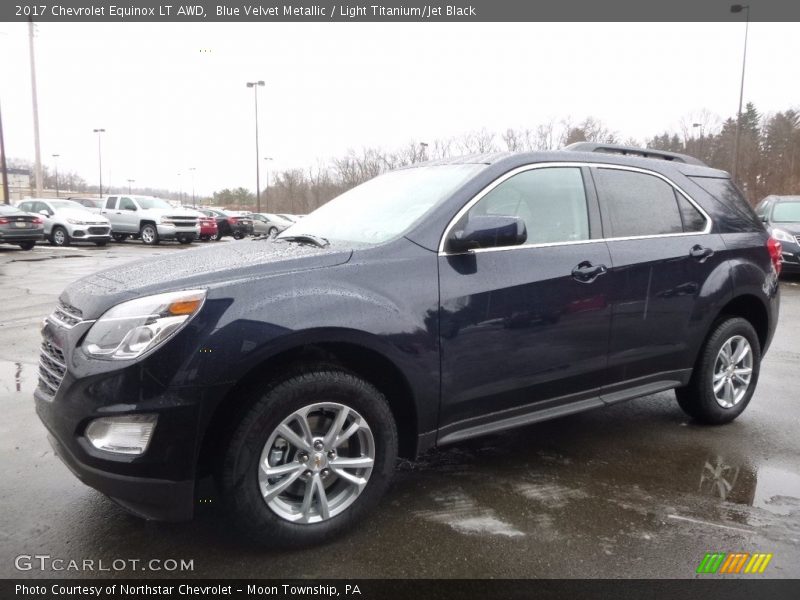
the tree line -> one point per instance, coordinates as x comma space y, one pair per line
769, 158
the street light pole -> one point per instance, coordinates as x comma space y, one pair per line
55, 156
737, 8
35, 99
100, 133
192, 170
130, 181
180, 189
255, 85
3, 165
423, 150
266, 187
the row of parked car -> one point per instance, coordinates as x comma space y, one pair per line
63, 221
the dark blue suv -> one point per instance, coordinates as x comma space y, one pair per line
432, 304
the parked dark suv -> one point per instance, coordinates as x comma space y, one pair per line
429, 305
781, 214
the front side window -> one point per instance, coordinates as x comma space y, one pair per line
637, 204
126, 204
551, 202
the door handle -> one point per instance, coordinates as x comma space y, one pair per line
586, 272
700, 252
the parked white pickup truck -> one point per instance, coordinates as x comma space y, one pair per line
149, 219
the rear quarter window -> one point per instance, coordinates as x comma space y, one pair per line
724, 191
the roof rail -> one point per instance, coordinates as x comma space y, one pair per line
634, 151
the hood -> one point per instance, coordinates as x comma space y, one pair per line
793, 228
80, 215
206, 267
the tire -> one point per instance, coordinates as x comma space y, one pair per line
238, 235
185, 240
273, 231
204, 238
100, 244
119, 237
60, 236
256, 439
26, 245
699, 399
216, 237
149, 234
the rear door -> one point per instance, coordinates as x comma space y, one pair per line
525, 327
662, 254
109, 211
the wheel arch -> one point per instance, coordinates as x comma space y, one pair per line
752, 309
357, 358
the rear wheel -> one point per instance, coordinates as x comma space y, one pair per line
149, 234
60, 236
119, 237
217, 236
273, 231
101, 243
726, 374
27, 245
311, 457
185, 240
238, 234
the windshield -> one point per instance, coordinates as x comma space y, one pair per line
383, 207
65, 204
152, 202
786, 212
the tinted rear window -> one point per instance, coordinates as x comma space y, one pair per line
726, 192
637, 204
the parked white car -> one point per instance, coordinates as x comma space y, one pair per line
66, 221
150, 219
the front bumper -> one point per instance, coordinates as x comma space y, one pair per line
170, 232
152, 499
790, 258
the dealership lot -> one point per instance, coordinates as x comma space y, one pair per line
634, 490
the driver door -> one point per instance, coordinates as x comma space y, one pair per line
526, 327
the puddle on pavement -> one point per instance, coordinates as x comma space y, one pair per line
16, 377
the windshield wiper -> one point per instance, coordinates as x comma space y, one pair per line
306, 237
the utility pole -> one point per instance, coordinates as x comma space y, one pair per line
100, 132
55, 156
34, 96
3, 166
737, 8
266, 187
255, 85
194, 203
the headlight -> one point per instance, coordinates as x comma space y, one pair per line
76, 222
132, 328
129, 434
165, 221
783, 236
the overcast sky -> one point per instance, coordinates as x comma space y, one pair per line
173, 96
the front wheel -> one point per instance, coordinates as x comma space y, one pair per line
273, 231
185, 240
725, 375
119, 237
312, 456
27, 245
101, 243
60, 236
149, 234
238, 235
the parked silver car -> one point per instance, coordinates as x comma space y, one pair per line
66, 221
270, 224
150, 219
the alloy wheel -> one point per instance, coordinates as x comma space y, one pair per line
316, 463
733, 371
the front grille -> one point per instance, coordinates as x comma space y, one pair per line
67, 316
183, 221
98, 230
797, 237
52, 368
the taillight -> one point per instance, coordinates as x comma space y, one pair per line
774, 247
37, 221
3, 221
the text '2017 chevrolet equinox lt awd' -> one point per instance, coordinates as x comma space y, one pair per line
429, 305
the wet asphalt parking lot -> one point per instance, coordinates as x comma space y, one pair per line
633, 490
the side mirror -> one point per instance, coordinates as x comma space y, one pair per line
764, 219
487, 231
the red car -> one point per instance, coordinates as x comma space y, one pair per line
208, 228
